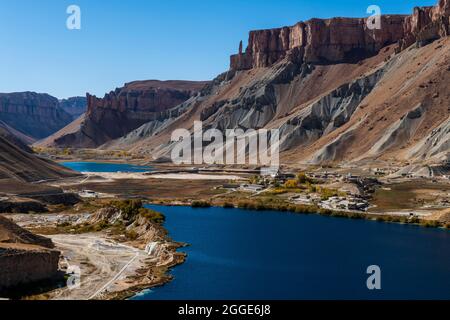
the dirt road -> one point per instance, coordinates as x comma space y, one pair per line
104, 265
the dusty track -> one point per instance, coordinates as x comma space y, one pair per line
104, 265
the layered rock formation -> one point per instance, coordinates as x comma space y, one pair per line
338, 92
426, 24
75, 106
319, 41
25, 258
124, 110
341, 39
33, 114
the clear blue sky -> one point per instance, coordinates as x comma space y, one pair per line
122, 41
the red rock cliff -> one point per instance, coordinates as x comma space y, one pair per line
426, 24
146, 96
341, 39
126, 109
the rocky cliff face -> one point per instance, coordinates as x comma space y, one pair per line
24, 265
319, 41
426, 24
25, 258
340, 40
75, 106
33, 114
125, 109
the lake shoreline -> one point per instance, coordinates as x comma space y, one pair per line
114, 258
311, 210
248, 203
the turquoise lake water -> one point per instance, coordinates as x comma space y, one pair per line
236, 254
104, 167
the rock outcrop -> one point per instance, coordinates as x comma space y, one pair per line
23, 265
33, 114
319, 41
25, 258
426, 24
338, 40
124, 110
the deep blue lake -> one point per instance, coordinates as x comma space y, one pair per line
104, 167
236, 254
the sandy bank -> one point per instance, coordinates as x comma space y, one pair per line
109, 176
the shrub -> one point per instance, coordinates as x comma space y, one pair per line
132, 235
328, 193
325, 212
302, 178
129, 208
100, 226
291, 184
200, 204
414, 220
431, 224
311, 188
64, 225
152, 215
228, 205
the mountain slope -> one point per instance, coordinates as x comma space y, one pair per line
15, 137
22, 166
12, 233
410, 100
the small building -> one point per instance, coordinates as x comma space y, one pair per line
306, 200
351, 178
88, 194
230, 186
272, 172
252, 187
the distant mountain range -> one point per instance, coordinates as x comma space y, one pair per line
37, 115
